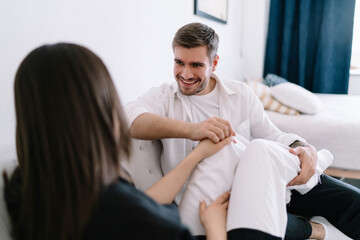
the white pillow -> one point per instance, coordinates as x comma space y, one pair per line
296, 97
269, 102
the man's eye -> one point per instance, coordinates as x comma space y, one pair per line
179, 63
197, 65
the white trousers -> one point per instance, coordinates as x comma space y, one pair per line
257, 174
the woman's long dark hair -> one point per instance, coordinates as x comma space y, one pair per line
70, 133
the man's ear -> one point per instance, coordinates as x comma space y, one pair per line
214, 63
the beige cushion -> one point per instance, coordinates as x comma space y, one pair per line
269, 102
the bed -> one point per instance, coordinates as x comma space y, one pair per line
336, 128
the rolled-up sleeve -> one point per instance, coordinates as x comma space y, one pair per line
262, 127
156, 101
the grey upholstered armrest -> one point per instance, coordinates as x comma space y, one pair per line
144, 163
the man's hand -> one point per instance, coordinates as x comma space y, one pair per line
216, 129
308, 160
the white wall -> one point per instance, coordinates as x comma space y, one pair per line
354, 82
132, 37
256, 18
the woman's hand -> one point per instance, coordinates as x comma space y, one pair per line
207, 147
213, 217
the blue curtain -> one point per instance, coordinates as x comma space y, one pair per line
309, 43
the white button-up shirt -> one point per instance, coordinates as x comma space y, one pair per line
238, 105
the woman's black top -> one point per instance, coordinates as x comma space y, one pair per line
124, 212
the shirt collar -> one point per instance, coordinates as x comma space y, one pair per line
222, 86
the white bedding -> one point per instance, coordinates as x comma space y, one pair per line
336, 127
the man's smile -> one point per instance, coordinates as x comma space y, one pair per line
189, 83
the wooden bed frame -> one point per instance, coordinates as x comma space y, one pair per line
342, 173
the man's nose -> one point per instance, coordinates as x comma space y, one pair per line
187, 73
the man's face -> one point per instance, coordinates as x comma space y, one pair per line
192, 70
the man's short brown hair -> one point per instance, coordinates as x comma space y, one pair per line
195, 35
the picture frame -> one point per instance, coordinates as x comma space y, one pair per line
216, 10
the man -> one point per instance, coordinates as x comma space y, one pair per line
201, 106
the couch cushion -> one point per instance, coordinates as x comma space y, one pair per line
144, 164
7, 163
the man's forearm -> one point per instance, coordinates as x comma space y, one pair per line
149, 126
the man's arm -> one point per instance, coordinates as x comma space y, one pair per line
149, 126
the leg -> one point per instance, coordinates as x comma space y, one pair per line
334, 200
257, 203
243, 233
258, 192
297, 228
211, 177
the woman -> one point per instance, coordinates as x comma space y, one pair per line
70, 136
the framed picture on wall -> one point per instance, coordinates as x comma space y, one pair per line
212, 9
